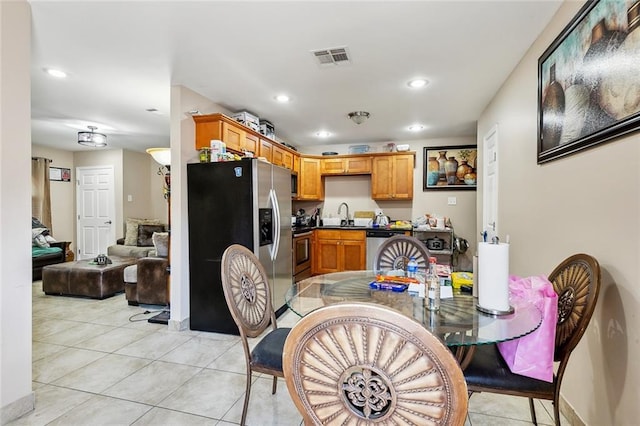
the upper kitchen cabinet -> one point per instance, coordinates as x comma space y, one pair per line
251, 143
346, 165
282, 157
239, 138
310, 184
392, 177
266, 149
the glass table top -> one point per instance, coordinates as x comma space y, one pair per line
457, 323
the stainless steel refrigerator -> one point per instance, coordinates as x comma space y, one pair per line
244, 202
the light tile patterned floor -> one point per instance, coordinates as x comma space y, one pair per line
99, 362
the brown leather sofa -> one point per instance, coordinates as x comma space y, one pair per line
146, 281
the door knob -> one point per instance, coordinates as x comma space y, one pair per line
108, 222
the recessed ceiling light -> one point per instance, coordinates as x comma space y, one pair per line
416, 127
283, 98
417, 83
323, 134
55, 73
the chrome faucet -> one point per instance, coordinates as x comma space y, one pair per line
340, 209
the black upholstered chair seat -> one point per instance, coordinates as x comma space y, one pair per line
268, 352
488, 369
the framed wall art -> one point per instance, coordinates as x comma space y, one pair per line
589, 80
59, 174
450, 167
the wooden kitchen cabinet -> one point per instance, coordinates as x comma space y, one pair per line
346, 166
392, 177
233, 136
310, 184
296, 163
251, 143
240, 138
266, 149
282, 157
339, 250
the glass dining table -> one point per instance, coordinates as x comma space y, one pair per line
458, 323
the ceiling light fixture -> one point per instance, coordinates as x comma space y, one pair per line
323, 134
283, 98
92, 139
358, 117
55, 73
416, 127
417, 83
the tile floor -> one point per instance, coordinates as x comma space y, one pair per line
99, 362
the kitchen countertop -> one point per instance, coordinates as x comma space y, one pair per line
302, 229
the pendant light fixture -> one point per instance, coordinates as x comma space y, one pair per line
92, 139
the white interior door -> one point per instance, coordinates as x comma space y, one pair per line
490, 182
95, 206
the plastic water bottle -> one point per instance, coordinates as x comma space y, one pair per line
412, 268
433, 286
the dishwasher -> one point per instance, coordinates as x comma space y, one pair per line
375, 238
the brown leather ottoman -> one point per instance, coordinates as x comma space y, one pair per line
82, 278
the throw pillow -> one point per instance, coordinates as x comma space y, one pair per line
131, 233
145, 232
161, 243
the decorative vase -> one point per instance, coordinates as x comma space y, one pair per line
470, 178
451, 167
442, 158
433, 171
463, 169
552, 111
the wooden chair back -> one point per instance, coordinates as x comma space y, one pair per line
395, 253
357, 363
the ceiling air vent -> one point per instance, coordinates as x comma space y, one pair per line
333, 56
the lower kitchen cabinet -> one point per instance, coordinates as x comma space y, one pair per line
339, 250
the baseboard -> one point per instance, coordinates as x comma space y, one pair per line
18, 408
569, 413
175, 325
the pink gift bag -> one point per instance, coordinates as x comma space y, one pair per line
532, 355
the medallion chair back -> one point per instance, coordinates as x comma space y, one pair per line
362, 363
397, 251
246, 290
577, 282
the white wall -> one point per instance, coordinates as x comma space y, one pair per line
63, 205
588, 202
16, 396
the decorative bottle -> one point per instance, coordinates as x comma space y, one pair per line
433, 171
442, 158
451, 167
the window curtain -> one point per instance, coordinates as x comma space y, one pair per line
41, 191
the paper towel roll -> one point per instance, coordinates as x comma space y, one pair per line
493, 277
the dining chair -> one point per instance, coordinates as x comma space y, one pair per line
360, 363
246, 290
577, 282
395, 253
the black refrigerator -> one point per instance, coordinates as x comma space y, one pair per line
245, 202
